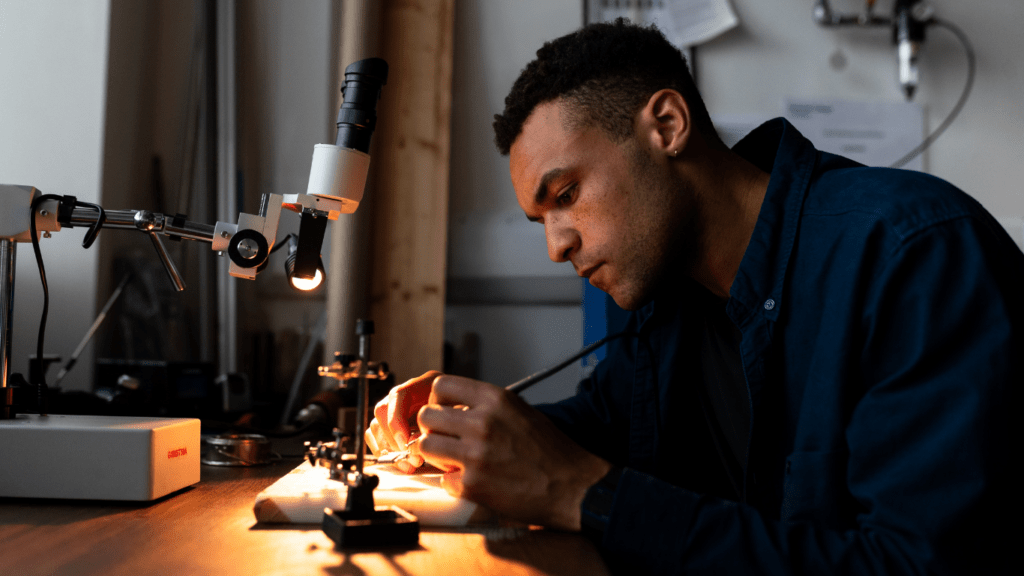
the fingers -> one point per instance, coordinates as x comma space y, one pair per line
445, 420
442, 452
458, 391
415, 458
397, 419
455, 420
406, 467
404, 402
452, 483
394, 416
370, 437
379, 425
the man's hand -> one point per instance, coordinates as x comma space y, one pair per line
395, 419
500, 452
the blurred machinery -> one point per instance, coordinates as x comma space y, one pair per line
909, 20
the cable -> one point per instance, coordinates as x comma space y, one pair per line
42, 389
94, 230
969, 52
520, 386
280, 243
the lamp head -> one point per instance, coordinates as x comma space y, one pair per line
298, 280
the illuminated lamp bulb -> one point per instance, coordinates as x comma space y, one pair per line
303, 284
306, 284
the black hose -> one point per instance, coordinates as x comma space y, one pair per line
40, 368
520, 386
971, 64
42, 390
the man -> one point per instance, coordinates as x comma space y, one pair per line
824, 358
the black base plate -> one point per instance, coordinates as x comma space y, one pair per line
385, 526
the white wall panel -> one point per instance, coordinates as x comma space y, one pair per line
53, 66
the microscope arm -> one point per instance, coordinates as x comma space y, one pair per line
247, 243
336, 182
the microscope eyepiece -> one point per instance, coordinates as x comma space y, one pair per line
357, 117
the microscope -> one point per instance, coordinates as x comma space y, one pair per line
125, 458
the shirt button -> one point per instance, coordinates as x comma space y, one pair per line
769, 304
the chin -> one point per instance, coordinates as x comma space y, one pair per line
632, 305
635, 295
629, 297
628, 302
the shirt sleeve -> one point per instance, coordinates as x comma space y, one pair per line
929, 438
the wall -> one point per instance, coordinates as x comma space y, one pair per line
776, 52
53, 62
537, 322
147, 137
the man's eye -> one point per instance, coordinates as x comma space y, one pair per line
565, 197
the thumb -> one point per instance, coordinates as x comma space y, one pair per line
452, 482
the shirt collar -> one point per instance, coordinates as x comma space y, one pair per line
778, 148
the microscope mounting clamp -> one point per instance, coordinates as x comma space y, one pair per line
361, 523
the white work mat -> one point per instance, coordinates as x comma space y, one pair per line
302, 494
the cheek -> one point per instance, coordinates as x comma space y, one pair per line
595, 224
601, 215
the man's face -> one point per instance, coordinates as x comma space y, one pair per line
614, 210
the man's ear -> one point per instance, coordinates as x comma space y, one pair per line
665, 122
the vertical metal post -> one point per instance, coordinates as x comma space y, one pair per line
364, 329
7, 250
227, 204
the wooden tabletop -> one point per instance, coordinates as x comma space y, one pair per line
210, 529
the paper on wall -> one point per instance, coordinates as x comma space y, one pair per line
872, 133
684, 22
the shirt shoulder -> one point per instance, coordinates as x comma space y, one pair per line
906, 202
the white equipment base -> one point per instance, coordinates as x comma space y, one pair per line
301, 495
97, 457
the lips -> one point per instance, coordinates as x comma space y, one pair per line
587, 272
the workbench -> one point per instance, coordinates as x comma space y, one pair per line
209, 528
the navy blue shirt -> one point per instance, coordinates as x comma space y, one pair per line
881, 325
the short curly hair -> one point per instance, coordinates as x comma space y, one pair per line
607, 71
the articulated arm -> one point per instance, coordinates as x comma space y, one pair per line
336, 182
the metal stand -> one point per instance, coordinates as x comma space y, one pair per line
361, 523
7, 251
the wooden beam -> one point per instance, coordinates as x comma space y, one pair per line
410, 210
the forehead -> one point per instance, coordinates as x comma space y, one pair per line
547, 143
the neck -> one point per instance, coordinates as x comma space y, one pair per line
730, 191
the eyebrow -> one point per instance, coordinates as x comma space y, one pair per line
541, 195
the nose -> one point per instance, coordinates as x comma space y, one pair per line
562, 240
